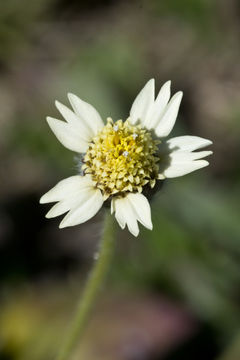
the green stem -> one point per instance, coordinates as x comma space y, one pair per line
89, 295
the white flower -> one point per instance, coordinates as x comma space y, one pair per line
121, 159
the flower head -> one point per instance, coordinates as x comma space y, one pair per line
121, 159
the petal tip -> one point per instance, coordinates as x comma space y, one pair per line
57, 104
134, 233
73, 97
150, 227
204, 163
62, 225
70, 95
151, 83
41, 200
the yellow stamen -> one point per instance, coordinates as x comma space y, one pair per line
122, 158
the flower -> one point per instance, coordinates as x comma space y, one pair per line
122, 160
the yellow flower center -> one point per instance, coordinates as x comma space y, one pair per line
122, 158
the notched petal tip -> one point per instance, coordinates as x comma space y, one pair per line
168, 119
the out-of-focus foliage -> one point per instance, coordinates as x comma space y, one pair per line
172, 293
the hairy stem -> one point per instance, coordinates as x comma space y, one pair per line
90, 292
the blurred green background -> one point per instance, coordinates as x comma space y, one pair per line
172, 293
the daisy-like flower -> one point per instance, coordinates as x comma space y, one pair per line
122, 160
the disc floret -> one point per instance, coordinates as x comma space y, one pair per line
122, 158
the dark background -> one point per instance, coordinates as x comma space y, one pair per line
173, 293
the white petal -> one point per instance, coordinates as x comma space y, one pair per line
87, 113
71, 202
68, 134
143, 103
180, 169
125, 214
84, 210
185, 156
76, 194
142, 209
167, 121
132, 224
131, 208
187, 143
177, 157
67, 188
75, 120
59, 209
118, 205
159, 106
